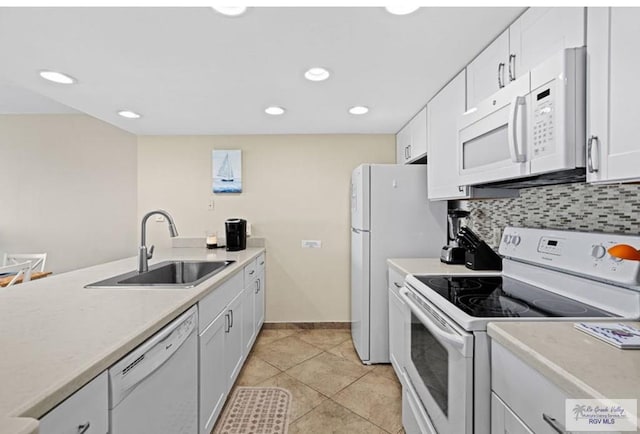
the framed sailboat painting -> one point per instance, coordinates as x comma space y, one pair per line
227, 171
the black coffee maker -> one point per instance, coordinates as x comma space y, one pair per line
453, 253
236, 231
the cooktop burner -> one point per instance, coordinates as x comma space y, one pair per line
497, 297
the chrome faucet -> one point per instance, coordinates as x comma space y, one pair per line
143, 255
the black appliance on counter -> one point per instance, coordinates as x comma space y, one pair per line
478, 254
236, 232
453, 252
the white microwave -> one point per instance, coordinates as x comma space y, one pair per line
533, 128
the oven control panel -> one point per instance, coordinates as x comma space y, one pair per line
583, 253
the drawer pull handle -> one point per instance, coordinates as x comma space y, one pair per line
554, 424
262, 263
251, 272
84, 427
397, 285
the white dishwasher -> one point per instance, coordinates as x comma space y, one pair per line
154, 388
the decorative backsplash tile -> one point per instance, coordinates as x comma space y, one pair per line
580, 206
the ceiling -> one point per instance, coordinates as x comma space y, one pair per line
194, 71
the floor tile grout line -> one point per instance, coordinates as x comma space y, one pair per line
360, 416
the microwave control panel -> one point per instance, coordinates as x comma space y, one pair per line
543, 118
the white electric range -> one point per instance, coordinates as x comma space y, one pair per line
547, 275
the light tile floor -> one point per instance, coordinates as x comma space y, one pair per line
333, 392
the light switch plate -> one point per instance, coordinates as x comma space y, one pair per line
311, 244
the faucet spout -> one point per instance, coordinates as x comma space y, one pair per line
143, 254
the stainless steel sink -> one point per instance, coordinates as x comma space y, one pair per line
167, 274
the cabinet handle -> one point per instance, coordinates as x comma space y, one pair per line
409, 150
554, 424
84, 427
251, 272
460, 188
501, 75
231, 326
227, 323
262, 263
257, 282
397, 285
590, 148
512, 67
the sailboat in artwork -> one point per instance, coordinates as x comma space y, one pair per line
226, 171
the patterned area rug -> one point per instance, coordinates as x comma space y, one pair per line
256, 410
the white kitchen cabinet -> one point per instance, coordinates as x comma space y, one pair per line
613, 59
533, 402
259, 301
411, 140
213, 375
540, 33
86, 411
536, 35
487, 73
443, 112
503, 420
398, 312
233, 346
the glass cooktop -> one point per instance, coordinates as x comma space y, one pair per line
495, 296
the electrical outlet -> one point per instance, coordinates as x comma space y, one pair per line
210, 205
311, 244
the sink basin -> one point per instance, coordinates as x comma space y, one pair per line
167, 274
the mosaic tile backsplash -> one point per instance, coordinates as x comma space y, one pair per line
580, 206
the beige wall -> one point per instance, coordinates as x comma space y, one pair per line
68, 189
294, 188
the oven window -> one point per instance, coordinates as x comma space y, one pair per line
432, 363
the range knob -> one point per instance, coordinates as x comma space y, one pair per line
506, 239
598, 251
516, 240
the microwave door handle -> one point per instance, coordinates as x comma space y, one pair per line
455, 340
514, 133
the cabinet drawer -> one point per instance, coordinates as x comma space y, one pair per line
260, 262
210, 306
86, 411
396, 280
250, 272
525, 391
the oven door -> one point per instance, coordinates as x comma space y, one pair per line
439, 365
492, 138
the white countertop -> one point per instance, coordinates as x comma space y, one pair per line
57, 335
432, 266
581, 365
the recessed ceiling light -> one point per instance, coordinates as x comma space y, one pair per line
231, 11
129, 114
317, 74
57, 77
274, 110
358, 110
401, 9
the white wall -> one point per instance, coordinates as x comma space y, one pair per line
295, 187
68, 189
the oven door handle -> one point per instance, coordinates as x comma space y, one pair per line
453, 339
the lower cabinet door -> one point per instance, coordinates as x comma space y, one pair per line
86, 411
503, 420
397, 319
213, 375
234, 345
248, 315
259, 301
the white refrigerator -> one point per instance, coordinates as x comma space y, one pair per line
391, 217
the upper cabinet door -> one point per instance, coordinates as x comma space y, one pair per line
411, 140
443, 112
613, 151
487, 73
540, 33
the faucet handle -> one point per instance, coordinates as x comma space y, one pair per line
150, 254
